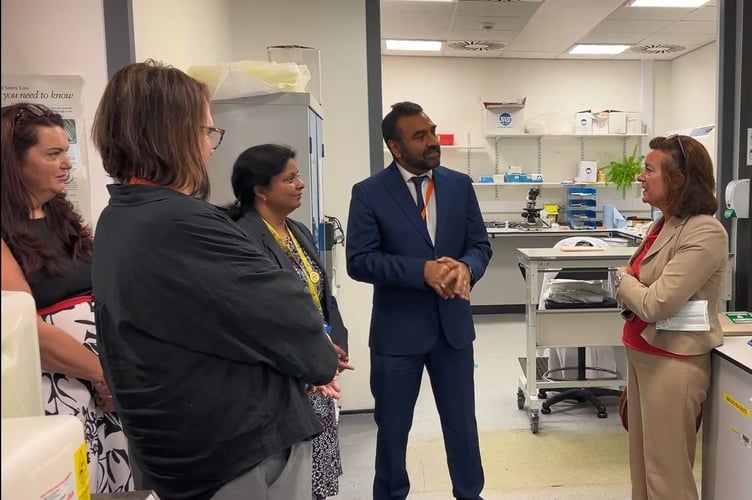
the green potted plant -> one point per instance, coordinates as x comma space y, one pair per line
622, 173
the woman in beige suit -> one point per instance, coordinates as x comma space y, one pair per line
679, 268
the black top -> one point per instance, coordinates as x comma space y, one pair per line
47, 290
206, 361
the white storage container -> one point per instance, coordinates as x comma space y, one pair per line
44, 458
634, 123
617, 242
617, 122
22, 374
298, 54
504, 117
583, 123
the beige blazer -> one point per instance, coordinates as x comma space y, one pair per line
686, 262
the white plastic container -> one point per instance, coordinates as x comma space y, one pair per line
617, 242
44, 458
22, 374
587, 171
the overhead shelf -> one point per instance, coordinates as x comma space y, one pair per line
558, 184
581, 136
462, 148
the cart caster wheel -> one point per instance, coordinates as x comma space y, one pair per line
545, 410
542, 395
534, 424
520, 399
602, 414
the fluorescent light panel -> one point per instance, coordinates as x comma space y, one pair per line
687, 4
426, 45
599, 49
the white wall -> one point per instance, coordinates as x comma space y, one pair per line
182, 32
61, 38
688, 94
449, 88
691, 92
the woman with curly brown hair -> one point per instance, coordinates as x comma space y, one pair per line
46, 251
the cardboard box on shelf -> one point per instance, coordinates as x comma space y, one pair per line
617, 122
634, 122
298, 54
600, 123
583, 122
504, 117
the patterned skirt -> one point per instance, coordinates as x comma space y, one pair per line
327, 465
109, 467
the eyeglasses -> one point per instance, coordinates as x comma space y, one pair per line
37, 110
681, 146
215, 136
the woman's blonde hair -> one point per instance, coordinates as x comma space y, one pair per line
148, 125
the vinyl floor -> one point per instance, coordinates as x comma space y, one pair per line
574, 456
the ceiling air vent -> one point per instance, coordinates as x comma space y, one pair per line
658, 48
475, 46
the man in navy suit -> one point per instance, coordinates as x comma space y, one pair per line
416, 233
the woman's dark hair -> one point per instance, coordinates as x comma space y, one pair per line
685, 156
148, 125
255, 167
19, 124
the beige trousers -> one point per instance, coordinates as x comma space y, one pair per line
665, 397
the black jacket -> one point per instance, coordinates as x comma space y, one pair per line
207, 365
254, 226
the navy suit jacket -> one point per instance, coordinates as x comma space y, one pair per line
388, 245
253, 225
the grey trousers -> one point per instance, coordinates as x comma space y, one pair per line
283, 476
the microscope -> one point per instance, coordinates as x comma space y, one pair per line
531, 213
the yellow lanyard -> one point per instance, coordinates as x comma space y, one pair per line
312, 277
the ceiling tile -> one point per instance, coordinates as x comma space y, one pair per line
704, 27
546, 28
502, 36
609, 26
649, 14
488, 8
499, 23
614, 38
392, 8
680, 38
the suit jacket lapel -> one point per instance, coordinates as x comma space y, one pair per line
255, 225
668, 231
397, 188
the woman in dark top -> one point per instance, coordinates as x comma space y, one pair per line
46, 251
207, 366
267, 186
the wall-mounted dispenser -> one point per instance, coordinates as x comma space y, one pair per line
737, 199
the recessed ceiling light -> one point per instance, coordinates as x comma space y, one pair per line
687, 4
427, 45
598, 49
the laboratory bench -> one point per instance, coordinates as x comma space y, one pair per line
727, 425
